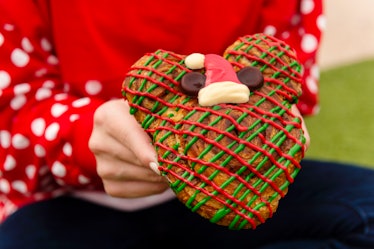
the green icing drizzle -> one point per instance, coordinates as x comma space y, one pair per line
273, 172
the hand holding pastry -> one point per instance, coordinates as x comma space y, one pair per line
123, 153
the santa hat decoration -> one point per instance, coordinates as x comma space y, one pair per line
221, 81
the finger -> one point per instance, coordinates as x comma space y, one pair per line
102, 144
129, 133
296, 111
139, 142
111, 169
133, 189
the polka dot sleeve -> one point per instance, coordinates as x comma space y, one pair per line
44, 130
300, 24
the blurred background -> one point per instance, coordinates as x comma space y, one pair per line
344, 128
349, 34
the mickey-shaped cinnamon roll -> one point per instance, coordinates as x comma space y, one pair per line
226, 138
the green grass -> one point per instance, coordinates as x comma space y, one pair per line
343, 130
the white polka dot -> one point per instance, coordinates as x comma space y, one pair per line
67, 149
61, 96
43, 171
270, 30
61, 183
18, 101
311, 85
83, 180
314, 71
19, 57
4, 186
58, 169
9, 208
4, 79
5, 139
285, 35
307, 6
30, 171
40, 72
321, 22
26, 45
8, 27
39, 151
309, 43
52, 60
51, 131
81, 102
39, 196
22, 88
1, 39
10, 163
46, 45
20, 142
66, 87
58, 109
20, 186
295, 20
43, 93
38, 127
74, 117
93, 87
49, 84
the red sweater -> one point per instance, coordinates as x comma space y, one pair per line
61, 59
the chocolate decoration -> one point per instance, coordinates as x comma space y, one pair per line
251, 77
192, 82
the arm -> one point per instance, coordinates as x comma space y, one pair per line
44, 128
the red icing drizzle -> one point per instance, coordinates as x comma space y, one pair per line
286, 70
171, 85
231, 207
197, 108
228, 151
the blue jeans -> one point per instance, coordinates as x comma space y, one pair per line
330, 206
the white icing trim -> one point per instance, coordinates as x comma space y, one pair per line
223, 92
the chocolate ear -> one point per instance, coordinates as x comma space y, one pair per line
274, 58
251, 77
192, 82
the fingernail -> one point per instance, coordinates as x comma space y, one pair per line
154, 167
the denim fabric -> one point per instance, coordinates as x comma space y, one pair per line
330, 206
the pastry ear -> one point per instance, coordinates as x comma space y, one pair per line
153, 82
274, 58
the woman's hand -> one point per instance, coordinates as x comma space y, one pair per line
126, 160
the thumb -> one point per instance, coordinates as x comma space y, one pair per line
139, 142
141, 146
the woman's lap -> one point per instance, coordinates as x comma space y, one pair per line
329, 203
329, 206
